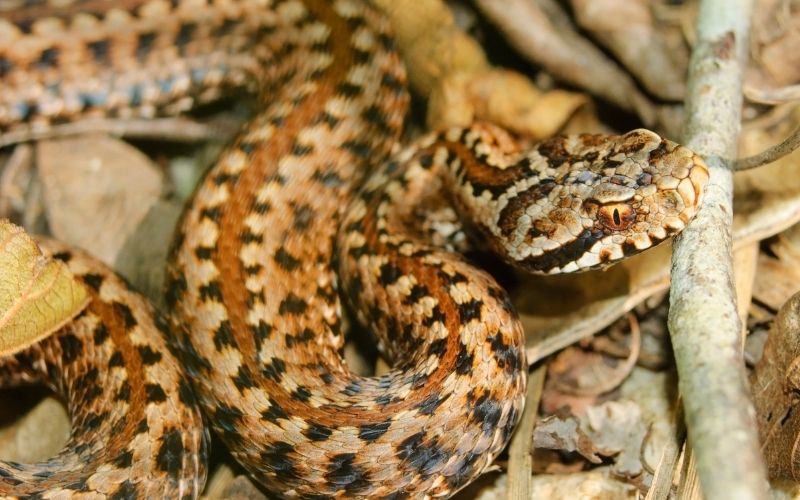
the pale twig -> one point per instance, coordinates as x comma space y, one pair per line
769, 155
703, 320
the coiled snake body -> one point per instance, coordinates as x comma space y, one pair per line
252, 293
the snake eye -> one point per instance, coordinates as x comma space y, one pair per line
617, 216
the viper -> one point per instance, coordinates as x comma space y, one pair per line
314, 202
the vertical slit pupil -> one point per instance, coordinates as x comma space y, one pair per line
617, 219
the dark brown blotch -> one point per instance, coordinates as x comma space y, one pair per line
317, 432
123, 460
100, 51
422, 453
349, 90
507, 356
464, 360
277, 459
371, 432
211, 291
292, 304
126, 491
470, 310
223, 335
344, 474
274, 369
93, 280
155, 393
126, 314
486, 411
170, 453
301, 394
71, 347
100, 334
124, 392
287, 261
176, 287
116, 360
243, 379
148, 355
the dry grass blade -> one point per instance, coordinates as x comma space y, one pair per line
661, 488
520, 457
38, 295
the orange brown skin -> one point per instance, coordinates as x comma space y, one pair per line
251, 287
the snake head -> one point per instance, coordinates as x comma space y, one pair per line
599, 199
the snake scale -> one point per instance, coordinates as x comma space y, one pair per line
253, 299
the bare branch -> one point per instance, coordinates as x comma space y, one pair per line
169, 129
704, 324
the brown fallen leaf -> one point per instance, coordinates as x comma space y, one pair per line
38, 295
96, 191
773, 47
778, 276
583, 372
653, 51
544, 33
775, 384
613, 429
449, 67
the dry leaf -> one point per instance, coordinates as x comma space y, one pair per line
778, 276
654, 393
96, 191
38, 295
595, 485
775, 39
503, 97
450, 68
613, 429
644, 45
583, 372
776, 384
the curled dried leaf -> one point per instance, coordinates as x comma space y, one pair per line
581, 372
613, 429
449, 67
38, 295
775, 384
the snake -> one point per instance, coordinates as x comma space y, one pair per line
312, 210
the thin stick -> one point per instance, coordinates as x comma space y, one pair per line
771, 154
173, 129
703, 320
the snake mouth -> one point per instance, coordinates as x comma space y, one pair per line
693, 190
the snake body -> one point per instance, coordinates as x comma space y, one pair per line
252, 290
137, 431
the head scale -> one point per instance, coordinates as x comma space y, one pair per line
607, 198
